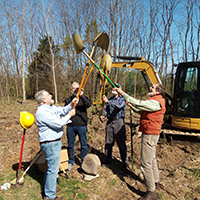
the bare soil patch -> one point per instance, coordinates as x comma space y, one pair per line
179, 163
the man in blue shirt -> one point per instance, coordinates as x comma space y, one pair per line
50, 131
115, 110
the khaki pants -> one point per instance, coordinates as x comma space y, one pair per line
148, 160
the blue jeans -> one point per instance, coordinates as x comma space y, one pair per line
71, 135
52, 155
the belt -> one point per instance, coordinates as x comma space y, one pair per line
50, 141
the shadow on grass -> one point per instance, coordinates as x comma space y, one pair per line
33, 172
118, 168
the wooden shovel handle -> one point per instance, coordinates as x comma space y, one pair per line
64, 171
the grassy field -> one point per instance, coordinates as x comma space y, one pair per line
31, 189
178, 163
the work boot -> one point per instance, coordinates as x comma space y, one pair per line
157, 185
149, 196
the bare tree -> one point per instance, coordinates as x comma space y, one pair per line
198, 41
22, 24
197, 27
167, 18
49, 30
153, 14
151, 30
189, 8
13, 40
5, 72
172, 60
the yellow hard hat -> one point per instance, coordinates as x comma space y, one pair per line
26, 119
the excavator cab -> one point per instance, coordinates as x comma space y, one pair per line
186, 109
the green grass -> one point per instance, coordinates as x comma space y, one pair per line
192, 172
82, 196
188, 197
113, 182
96, 129
160, 196
89, 138
31, 189
70, 189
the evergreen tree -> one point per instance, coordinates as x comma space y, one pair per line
40, 70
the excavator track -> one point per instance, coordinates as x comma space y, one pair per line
176, 136
168, 129
178, 132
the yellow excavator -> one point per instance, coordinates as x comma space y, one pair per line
183, 109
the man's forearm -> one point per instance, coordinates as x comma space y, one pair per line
146, 105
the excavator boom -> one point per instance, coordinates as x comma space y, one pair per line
183, 110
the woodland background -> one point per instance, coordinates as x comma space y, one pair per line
37, 53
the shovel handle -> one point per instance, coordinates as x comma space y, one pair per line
91, 68
22, 147
33, 161
66, 176
80, 87
88, 76
64, 171
99, 69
